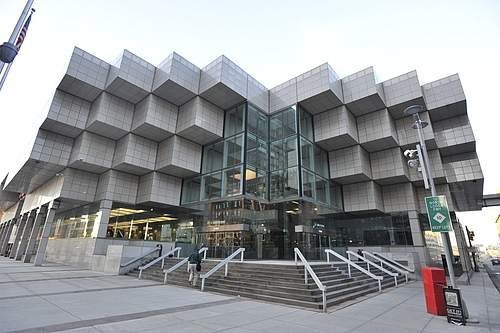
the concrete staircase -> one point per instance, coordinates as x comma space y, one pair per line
279, 283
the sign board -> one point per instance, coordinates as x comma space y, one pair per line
438, 213
454, 309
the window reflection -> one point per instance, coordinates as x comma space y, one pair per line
235, 121
75, 223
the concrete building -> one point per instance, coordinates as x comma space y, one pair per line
133, 155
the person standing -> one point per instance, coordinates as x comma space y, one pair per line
194, 266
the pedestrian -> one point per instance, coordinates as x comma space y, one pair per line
194, 266
360, 253
160, 249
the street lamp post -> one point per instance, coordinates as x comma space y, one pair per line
419, 125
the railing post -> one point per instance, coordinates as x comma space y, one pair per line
327, 256
324, 300
140, 274
242, 252
305, 274
227, 269
295, 258
165, 279
379, 286
205, 254
162, 263
406, 275
349, 269
368, 265
395, 281
178, 253
202, 284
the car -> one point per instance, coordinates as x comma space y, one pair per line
495, 261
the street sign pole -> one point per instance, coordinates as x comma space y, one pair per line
445, 237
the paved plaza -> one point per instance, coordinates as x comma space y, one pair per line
56, 298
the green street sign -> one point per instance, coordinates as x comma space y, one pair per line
438, 213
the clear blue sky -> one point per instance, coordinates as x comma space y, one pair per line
271, 40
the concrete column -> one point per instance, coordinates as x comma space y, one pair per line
40, 217
416, 231
25, 235
19, 232
101, 222
44, 239
465, 259
3, 234
5, 243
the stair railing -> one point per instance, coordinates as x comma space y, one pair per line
182, 262
225, 263
368, 263
382, 262
394, 262
308, 270
350, 263
133, 263
162, 258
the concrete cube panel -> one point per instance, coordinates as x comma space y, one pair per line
154, 118
335, 129
131, 78
135, 154
86, 75
159, 188
67, 115
467, 195
350, 165
454, 136
399, 198
389, 166
258, 94
179, 157
408, 136
110, 116
117, 186
401, 92
79, 185
92, 152
200, 121
176, 80
283, 95
462, 167
51, 148
223, 83
438, 171
445, 98
363, 197
362, 94
443, 189
377, 131
319, 89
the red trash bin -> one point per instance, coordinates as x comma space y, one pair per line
434, 281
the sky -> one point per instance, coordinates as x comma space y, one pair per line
271, 40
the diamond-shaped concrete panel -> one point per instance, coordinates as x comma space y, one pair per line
454, 136
319, 89
363, 197
223, 83
401, 92
389, 166
445, 98
135, 154
131, 78
155, 118
361, 92
86, 75
377, 131
117, 186
200, 121
335, 129
110, 116
176, 80
67, 115
350, 165
159, 188
399, 198
92, 152
179, 157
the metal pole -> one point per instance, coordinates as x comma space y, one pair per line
6, 72
445, 237
18, 27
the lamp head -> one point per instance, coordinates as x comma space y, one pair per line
412, 109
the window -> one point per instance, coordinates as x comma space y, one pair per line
256, 152
212, 157
284, 153
257, 123
308, 184
191, 190
235, 121
306, 154
233, 151
211, 185
306, 125
321, 162
232, 181
284, 183
283, 124
322, 190
256, 182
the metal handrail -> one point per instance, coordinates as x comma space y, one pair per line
394, 275
382, 261
394, 262
162, 258
224, 262
182, 262
130, 262
350, 263
308, 268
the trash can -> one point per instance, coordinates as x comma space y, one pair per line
434, 281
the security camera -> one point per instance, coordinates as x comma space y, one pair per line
411, 153
413, 164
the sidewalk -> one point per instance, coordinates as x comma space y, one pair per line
56, 298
